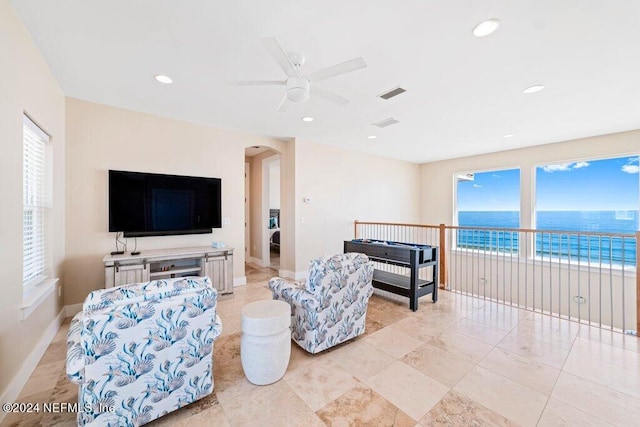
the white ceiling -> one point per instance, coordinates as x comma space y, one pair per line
463, 93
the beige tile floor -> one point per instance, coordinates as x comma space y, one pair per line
462, 361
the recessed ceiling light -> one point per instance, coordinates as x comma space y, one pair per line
372, 137
307, 119
163, 79
508, 135
486, 27
533, 89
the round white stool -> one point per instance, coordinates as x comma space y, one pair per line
265, 346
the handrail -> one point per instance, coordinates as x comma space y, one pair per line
538, 230
447, 238
515, 230
395, 223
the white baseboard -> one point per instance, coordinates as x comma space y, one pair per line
72, 310
285, 274
13, 389
298, 275
256, 261
239, 281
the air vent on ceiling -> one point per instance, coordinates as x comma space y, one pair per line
386, 122
391, 93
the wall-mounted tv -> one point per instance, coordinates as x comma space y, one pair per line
149, 204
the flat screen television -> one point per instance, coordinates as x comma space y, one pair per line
149, 204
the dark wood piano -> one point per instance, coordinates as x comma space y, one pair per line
409, 255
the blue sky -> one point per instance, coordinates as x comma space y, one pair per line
611, 184
490, 191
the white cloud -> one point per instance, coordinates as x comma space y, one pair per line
631, 169
561, 167
495, 175
477, 185
565, 167
633, 160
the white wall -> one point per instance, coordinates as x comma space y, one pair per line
100, 138
26, 85
345, 186
274, 185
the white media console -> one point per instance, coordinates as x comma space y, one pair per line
217, 263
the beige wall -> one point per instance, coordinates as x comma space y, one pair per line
344, 186
26, 85
100, 138
288, 208
438, 189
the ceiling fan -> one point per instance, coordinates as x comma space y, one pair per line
300, 85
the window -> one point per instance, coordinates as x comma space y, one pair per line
36, 207
489, 199
588, 196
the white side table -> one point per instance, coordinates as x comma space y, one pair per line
265, 346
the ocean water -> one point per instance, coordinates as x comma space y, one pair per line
571, 245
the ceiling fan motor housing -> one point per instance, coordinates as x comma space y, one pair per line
298, 89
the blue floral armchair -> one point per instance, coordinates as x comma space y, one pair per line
331, 306
142, 350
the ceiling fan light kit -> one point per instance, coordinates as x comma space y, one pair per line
298, 85
297, 89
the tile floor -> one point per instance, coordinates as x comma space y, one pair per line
462, 361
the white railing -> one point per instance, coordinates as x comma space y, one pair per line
590, 278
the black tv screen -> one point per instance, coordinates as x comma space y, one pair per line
148, 204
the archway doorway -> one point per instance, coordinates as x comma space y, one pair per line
262, 212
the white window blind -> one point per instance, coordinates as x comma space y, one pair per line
36, 203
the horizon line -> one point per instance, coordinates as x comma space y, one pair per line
553, 210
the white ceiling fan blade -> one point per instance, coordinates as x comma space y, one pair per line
280, 56
329, 96
284, 104
336, 70
257, 83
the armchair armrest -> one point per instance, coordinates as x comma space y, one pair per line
293, 294
217, 327
75, 352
